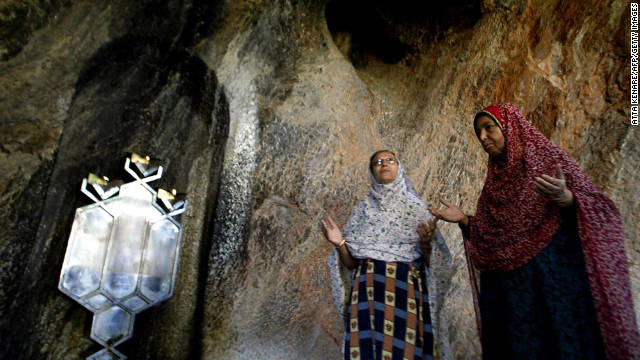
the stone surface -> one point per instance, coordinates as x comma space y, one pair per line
265, 114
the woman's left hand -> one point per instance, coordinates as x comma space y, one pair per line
426, 231
555, 188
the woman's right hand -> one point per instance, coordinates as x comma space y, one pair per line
451, 213
426, 233
331, 231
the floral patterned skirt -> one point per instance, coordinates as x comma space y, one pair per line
543, 309
388, 316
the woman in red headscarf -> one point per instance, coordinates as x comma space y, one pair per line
546, 251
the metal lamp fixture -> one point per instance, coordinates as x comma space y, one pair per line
123, 251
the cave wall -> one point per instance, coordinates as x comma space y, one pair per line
265, 113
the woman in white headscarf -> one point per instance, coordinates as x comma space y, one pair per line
387, 242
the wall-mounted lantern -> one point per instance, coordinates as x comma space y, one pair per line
123, 252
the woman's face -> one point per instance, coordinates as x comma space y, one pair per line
490, 135
385, 168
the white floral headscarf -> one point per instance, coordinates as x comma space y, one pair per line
384, 225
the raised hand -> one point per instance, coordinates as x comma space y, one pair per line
331, 231
554, 188
451, 213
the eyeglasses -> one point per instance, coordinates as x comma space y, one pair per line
380, 161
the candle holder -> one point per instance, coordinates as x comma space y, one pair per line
123, 251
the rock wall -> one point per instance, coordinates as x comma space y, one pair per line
265, 113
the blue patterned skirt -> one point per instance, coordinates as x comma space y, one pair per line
388, 316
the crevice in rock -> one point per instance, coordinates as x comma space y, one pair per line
389, 32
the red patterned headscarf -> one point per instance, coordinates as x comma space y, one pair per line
514, 222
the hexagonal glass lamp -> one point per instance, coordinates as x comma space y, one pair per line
123, 252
